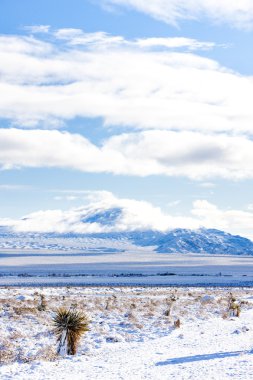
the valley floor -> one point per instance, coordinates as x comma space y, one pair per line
143, 267
132, 334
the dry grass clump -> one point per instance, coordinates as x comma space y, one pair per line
139, 325
43, 303
7, 353
47, 353
167, 312
234, 306
150, 313
24, 310
24, 357
98, 305
109, 304
69, 326
177, 323
170, 302
155, 303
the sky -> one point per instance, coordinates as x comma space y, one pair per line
120, 101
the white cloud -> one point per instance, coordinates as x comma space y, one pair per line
123, 83
233, 221
189, 128
176, 42
38, 28
135, 215
21, 47
93, 40
189, 154
236, 13
39, 148
103, 40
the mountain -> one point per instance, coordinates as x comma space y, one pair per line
103, 217
204, 241
115, 225
184, 241
209, 241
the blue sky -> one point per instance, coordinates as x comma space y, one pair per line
148, 102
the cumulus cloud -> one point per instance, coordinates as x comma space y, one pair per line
129, 215
184, 125
233, 221
134, 214
136, 84
232, 12
190, 154
39, 148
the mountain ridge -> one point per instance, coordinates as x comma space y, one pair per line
179, 240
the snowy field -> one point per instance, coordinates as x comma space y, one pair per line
132, 334
142, 267
28, 259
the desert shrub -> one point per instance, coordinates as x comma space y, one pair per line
23, 357
139, 325
174, 297
43, 304
155, 303
234, 306
69, 326
23, 310
111, 303
7, 354
170, 302
177, 323
108, 304
167, 312
46, 353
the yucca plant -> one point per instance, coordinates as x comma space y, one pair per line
69, 326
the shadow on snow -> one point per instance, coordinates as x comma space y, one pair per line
195, 358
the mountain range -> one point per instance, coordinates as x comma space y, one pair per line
179, 240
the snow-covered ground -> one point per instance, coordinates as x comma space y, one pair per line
141, 267
130, 258
131, 334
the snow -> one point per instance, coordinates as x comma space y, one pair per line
124, 268
131, 336
136, 258
185, 241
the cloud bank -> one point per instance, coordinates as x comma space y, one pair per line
157, 152
141, 84
129, 215
184, 115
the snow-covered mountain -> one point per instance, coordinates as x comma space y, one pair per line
209, 241
203, 240
112, 224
